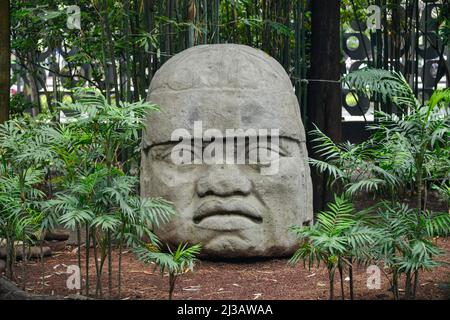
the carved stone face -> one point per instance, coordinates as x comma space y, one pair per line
231, 209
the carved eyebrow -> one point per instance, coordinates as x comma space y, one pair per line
147, 146
291, 139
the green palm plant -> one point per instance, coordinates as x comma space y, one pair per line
415, 148
337, 239
350, 167
176, 262
406, 151
73, 154
444, 190
404, 242
129, 218
96, 190
419, 137
136, 216
20, 217
25, 158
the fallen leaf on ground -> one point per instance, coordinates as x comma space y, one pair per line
140, 271
257, 295
192, 288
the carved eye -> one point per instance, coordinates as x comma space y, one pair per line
187, 154
267, 150
196, 153
161, 152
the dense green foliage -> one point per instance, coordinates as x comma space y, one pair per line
71, 173
175, 263
26, 155
337, 238
410, 154
125, 42
75, 161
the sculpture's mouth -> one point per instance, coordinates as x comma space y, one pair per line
226, 215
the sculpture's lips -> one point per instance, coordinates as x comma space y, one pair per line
226, 209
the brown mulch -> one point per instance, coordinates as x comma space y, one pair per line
269, 279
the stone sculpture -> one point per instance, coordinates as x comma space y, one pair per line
231, 209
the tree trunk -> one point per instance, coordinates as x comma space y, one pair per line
324, 90
5, 60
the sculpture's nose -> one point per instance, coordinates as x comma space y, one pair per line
223, 181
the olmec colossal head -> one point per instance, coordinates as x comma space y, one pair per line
233, 208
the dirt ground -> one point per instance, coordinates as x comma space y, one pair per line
270, 279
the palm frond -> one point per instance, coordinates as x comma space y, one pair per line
390, 85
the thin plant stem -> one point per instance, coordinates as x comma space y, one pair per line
408, 285
110, 281
24, 259
97, 267
79, 253
88, 248
41, 243
341, 277
172, 279
331, 272
120, 261
350, 275
416, 283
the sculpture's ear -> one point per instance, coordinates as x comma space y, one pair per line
145, 144
145, 173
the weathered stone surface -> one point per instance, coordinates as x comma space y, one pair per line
3, 243
55, 245
57, 234
2, 266
232, 210
9, 291
32, 253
